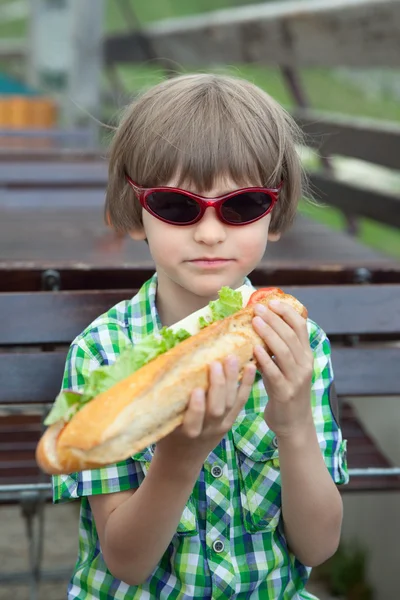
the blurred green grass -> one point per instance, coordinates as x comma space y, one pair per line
165, 9
325, 89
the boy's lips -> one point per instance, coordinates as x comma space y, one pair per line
209, 259
210, 262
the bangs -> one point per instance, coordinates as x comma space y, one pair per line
218, 135
201, 160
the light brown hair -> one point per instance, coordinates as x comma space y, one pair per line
198, 128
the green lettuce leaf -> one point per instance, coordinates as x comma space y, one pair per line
228, 303
65, 406
102, 379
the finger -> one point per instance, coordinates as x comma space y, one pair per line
215, 404
231, 368
193, 420
293, 319
276, 345
273, 375
243, 393
285, 331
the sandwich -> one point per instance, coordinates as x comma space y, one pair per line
142, 397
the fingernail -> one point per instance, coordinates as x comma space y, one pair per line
275, 303
259, 321
217, 368
260, 309
198, 395
233, 362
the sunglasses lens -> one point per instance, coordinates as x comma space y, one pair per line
173, 206
246, 207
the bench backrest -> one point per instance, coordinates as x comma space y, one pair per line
28, 277
33, 322
37, 328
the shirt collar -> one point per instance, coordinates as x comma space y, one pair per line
144, 316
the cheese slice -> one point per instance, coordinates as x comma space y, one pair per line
191, 323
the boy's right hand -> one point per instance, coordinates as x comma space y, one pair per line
209, 414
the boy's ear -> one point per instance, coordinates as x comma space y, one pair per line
274, 237
138, 234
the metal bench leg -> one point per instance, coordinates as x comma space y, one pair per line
32, 506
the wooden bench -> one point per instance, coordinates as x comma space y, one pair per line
362, 321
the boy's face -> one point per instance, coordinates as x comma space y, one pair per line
178, 251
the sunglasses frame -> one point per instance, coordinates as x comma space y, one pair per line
203, 202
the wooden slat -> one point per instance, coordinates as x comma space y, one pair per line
57, 317
384, 483
52, 317
19, 432
16, 454
363, 452
31, 378
28, 277
366, 139
20, 175
18, 446
360, 33
383, 207
36, 378
27, 468
79, 137
53, 155
17, 462
24, 437
74, 198
75, 234
352, 309
367, 371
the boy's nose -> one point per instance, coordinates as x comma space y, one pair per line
210, 230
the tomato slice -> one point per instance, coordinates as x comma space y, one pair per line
262, 293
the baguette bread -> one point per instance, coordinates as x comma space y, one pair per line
150, 403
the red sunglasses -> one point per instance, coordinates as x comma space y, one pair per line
179, 207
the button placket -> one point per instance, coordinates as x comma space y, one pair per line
217, 530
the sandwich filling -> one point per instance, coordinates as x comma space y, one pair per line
132, 359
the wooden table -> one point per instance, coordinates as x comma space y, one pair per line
51, 233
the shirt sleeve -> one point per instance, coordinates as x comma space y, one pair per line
323, 400
126, 475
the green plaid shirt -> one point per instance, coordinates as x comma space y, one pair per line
230, 542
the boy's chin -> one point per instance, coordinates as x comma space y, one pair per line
210, 286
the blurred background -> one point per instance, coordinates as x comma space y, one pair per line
44, 83
67, 69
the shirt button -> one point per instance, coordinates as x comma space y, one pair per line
218, 546
216, 471
275, 442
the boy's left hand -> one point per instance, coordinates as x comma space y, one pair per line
287, 377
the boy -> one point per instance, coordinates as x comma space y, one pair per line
215, 510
